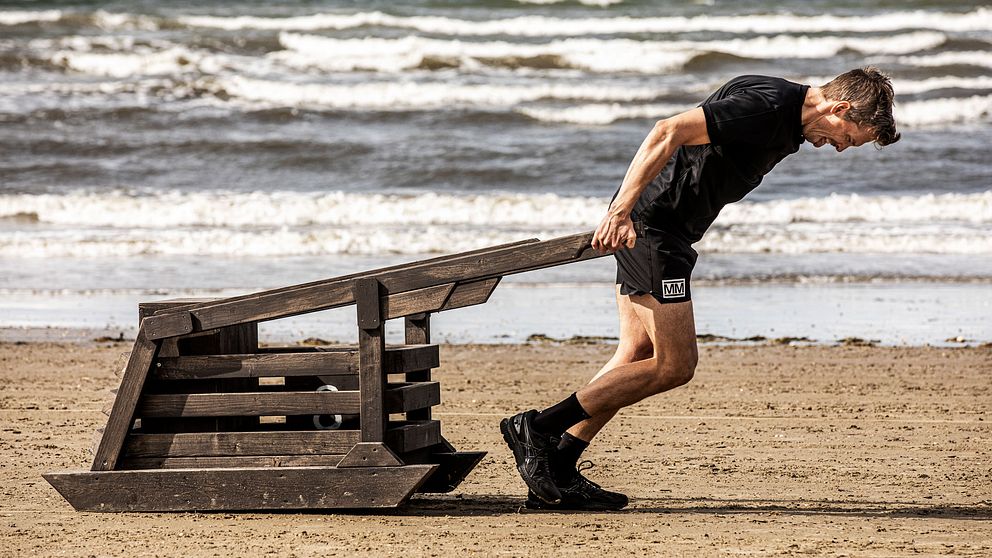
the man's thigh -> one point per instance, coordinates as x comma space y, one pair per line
671, 327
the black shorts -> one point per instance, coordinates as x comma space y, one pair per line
659, 264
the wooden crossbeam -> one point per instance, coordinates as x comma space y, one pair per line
403, 437
397, 359
229, 461
332, 293
398, 398
239, 488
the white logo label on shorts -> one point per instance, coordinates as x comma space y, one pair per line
672, 288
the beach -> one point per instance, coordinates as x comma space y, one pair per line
771, 449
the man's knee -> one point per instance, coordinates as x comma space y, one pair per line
675, 370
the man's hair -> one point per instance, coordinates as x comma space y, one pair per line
871, 96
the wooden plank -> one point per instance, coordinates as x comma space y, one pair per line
413, 436
222, 444
281, 362
332, 293
239, 488
130, 463
471, 293
407, 358
371, 347
256, 404
122, 416
401, 398
370, 454
416, 301
168, 325
202, 303
257, 365
417, 330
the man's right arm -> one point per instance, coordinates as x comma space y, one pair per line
688, 128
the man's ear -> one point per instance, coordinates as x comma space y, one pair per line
839, 108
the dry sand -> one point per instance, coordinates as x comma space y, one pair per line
838, 451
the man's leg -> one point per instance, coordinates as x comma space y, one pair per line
672, 332
634, 345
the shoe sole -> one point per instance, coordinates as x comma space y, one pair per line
510, 437
540, 505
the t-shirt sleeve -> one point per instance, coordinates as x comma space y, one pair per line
745, 117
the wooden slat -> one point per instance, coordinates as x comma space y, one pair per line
224, 444
407, 358
230, 462
280, 362
453, 468
371, 346
401, 398
417, 330
472, 293
122, 416
239, 488
413, 436
257, 365
252, 404
336, 292
169, 325
416, 301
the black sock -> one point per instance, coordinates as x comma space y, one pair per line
559, 417
569, 450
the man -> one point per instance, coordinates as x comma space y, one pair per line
684, 172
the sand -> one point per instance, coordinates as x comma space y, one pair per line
770, 450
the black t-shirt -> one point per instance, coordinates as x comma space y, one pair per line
753, 123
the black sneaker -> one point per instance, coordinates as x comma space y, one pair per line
580, 493
532, 451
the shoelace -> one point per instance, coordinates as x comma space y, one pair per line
585, 465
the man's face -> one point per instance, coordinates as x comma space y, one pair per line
833, 129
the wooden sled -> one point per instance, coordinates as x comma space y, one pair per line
189, 427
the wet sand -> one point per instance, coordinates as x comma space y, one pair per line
770, 450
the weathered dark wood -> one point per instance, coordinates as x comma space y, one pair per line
281, 362
337, 292
417, 330
370, 454
371, 347
230, 462
452, 469
412, 436
416, 301
222, 444
168, 325
471, 293
262, 403
367, 294
257, 365
239, 489
402, 398
407, 358
122, 416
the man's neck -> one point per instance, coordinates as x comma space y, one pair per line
812, 105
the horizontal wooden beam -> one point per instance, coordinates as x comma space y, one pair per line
411, 396
251, 404
239, 488
332, 293
398, 359
399, 398
401, 437
256, 365
230, 462
223, 444
412, 436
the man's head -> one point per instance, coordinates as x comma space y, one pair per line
856, 109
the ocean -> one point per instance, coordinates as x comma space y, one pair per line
159, 149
